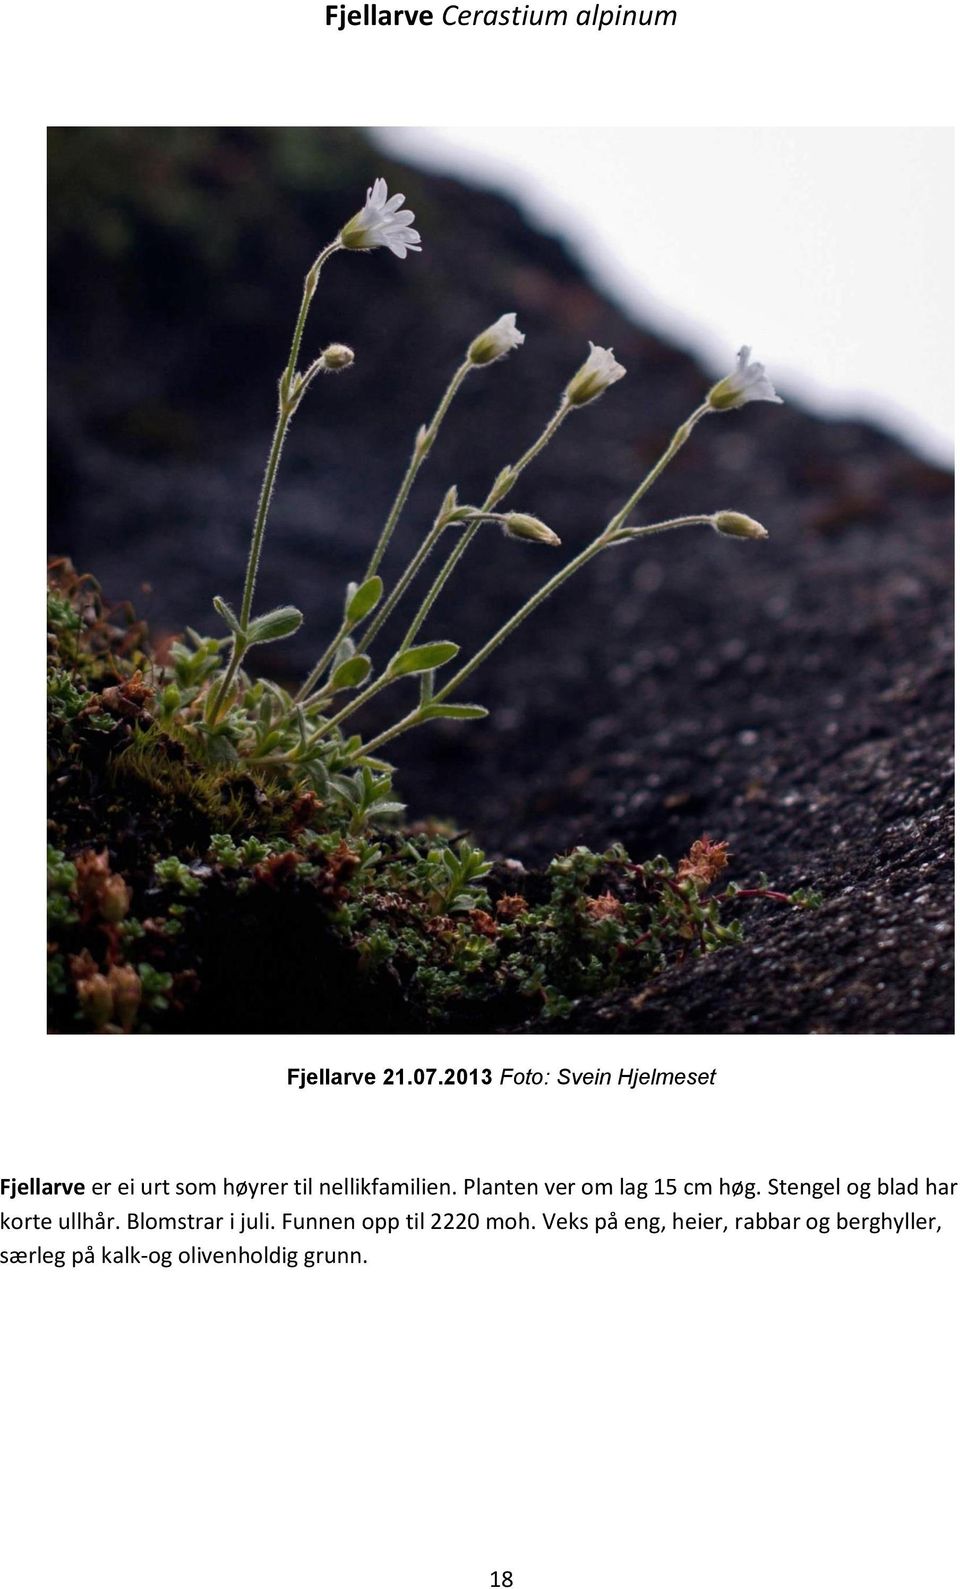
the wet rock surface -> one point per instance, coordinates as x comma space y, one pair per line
792, 697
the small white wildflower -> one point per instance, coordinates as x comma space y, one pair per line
524, 527
593, 377
748, 383
739, 524
382, 224
496, 342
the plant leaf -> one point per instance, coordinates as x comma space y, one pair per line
350, 673
421, 659
452, 709
361, 601
275, 625
227, 614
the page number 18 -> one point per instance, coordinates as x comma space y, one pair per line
501, 1580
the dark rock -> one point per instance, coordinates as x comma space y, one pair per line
794, 698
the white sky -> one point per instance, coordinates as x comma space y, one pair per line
828, 250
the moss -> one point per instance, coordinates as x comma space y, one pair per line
155, 764
189, 896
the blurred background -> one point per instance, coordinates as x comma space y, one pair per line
831, 249
793, 697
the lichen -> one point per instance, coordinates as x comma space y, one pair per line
162, 868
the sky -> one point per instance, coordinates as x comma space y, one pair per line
828, 250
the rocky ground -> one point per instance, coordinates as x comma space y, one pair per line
793, 698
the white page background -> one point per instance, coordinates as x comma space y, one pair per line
678, 1410
759, 1416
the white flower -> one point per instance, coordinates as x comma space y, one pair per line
748, 383
382, 224
593, 378
496, 342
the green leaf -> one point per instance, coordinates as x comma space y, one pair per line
227, 614
451, 709
350, 673
420, 659
362, 601
275, 625
220, 751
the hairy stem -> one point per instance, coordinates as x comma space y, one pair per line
346, 711
316, 673
422, 446
679, 437
599, 544
406, 578
286, 408
497, 492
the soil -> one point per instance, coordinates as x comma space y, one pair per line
792, 697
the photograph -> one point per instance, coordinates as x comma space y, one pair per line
500, 581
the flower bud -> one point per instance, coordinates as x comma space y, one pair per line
505, 481
592, 379
524, 527
739, 525
496, 342
336, 357
448, 506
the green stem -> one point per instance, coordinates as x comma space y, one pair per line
424, 443
413, 567
285, 413
286, 408
632, 534
310, 283
599, 544
602, 541
422, 446
346, 711
263, 507
409, 574
410, 721
479, 657
679, 437
310, 682
498, 490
